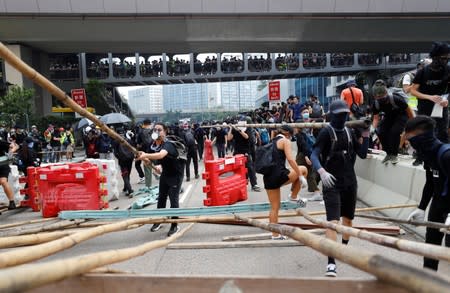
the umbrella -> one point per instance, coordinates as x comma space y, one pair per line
113, 118
85, 122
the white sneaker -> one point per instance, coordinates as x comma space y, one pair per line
331, 270
316, 196
141, 180
303, 182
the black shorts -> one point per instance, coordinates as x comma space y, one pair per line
340, 202
276, 179
4, 171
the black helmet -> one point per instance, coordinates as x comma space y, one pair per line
287, 128
339, 106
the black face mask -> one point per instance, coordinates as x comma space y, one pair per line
338, 120
426, 146
439, 63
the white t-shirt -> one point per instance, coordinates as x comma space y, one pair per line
407, 80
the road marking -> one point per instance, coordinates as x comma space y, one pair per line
185, 193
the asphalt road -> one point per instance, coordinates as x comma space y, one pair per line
298, 261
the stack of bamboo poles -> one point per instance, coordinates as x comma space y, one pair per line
23, 277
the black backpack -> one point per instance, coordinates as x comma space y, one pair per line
123, 153
265, 159
333, 138
189, 138
179, 146
316, 110
145, 136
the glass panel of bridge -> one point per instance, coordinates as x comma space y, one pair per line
150, 65
205, 63
365, 59
124, 65
259, 62
287, 61
178, 65
314, 60
342, 59
97, 66
64, 66
232, 63
395, 59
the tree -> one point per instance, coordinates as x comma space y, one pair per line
96, 93
17, 105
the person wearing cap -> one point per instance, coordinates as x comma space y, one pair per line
431, 87
281, 175
396, 113
352, 95
241, 137
333, 157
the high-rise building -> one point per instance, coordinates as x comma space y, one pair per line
186, 97
146, 100
237, 96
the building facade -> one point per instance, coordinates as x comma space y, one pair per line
146, 100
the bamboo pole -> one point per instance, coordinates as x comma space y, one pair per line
44, 228
27, 222
434, 225
398, 274
351, 124
235, 244
26, 277
423, 249
24, 240
40, 80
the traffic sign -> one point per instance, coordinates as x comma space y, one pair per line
274, 91
79, 97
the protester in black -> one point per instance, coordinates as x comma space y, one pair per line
220, 140
125, 158
200, 136
189, 139
5, 149
396, 112
430, 86
171, 169
333, 157
421, 134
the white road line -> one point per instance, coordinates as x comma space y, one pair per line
185, 193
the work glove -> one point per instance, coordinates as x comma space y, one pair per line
417, 215
447, 222
328, 179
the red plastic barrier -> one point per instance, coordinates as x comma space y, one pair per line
32, 189
226, 181
208, 154
70, 187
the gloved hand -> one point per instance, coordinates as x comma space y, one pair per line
417, 215
447, 222
328, 179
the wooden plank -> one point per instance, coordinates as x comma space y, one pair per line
236, 244
262, 236
95, 283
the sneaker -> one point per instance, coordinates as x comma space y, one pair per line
12, 205
173, 230
155, 227
303, 182
316, 196
197, 176
331, 270
188, 179
386, 159
417, 162
279, 237
292, 198
394, 160
256, 188
141, 180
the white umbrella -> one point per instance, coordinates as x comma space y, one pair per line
114, 118
85, 122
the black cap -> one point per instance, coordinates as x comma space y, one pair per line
287, 128
147, 121
339, 106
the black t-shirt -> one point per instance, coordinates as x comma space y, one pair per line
388, 109
221, 136
431, 83
241, 145
4, 147
171, 166
340, 165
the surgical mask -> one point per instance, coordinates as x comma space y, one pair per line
155, 135
305, 116
338, 120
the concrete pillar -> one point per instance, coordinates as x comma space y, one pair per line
355, 59
164, 63
328, 60
300, 61
245, 62
272, 56
191, 63
110, 66
138, 65
219, 63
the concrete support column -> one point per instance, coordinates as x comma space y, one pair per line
328, 60
245, 62
83, 66
191, 64
300, 61
164, 63
272, 57
110, 66
355, 59
219, 63
138, 65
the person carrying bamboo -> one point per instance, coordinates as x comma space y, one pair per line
333, 157
421, 134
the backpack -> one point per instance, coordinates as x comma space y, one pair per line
442, 150
391, 92
179, 146
145, 136
104, 144
189, 138
264, 135
264, 158
123, 153
333, 137
316, 110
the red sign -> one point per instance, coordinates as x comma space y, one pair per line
274, 91
79, 97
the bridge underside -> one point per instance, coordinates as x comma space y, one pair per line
225, 33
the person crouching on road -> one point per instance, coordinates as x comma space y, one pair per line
281, 175
334, 156
420, 132
171, 169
